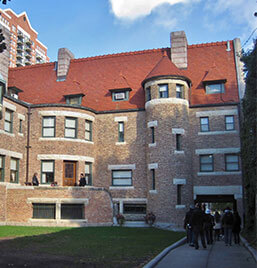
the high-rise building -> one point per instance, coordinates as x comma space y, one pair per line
22, 43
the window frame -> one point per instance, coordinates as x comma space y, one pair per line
47, 127
72, 128
153, 179
90, 131
9, 122
120, 178
20, 126
209, 90
166, 92
51, 206
148, 93
14, 171
211, 163
227, 163
179, 93
229, 123
179, 194
125, 92
2, 167
44, 172
178, 142
202, 129
121, 133
88, 176
152, 135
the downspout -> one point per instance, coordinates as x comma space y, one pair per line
28, 146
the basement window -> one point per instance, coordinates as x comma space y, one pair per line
43, 211
134, 208
72, 211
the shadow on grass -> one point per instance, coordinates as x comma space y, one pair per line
89, 247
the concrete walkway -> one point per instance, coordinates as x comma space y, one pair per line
215, 256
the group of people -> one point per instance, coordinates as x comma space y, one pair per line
197, 222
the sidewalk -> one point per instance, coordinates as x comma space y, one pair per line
215, 256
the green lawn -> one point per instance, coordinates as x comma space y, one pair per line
108, 246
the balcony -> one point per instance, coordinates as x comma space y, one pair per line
19, 48
28, 48
28, 55
28, 41
27, 62
19, 56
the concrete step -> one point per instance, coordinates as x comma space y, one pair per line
135, 224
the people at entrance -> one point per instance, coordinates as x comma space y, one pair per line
217, 226
35, 179
197, 222
208, 226
227, 223
188, 227
236, 227
82, 180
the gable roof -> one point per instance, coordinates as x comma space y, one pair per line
96, 76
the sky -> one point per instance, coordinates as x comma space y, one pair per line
99, 27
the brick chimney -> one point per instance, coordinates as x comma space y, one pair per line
64, 57
178, 49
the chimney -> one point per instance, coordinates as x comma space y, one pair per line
64, 57
178, 49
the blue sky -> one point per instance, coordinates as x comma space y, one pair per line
98, 27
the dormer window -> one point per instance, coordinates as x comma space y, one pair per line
214, 87
74, 99
120, 94
14, 92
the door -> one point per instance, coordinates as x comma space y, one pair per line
69, 173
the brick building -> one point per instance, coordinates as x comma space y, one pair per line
153, 130
22, 44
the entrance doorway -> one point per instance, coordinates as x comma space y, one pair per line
223, 200
69, 173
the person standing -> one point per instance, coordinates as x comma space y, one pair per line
35, 179
227, 223
208, 226
82, 180
236, 227
217, 226
188, 227
197, 221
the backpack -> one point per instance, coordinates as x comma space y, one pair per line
228, 218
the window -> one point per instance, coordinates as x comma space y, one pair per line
134, 208
8, 121
148, 94
163, 91
47, 172
121, 131
206, 163
231, 162
204, 124
178, 142
70, 127
120, 94
43, 211
214, 88
179, 190
2, 167
153, 178
152, 135
20, 126
229, 122
88, 130
121, 177
88, 173
48, 126
72, 211
179, 91
14, 170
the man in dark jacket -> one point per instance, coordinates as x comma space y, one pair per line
197, 223
227, 223
188, 227
208, 226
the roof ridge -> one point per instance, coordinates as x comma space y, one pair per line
31, 66
121, 54
218, 43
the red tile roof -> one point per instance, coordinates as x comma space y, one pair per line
95, 76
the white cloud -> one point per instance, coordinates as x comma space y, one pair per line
133, 9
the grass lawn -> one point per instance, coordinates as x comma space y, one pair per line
99, 246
